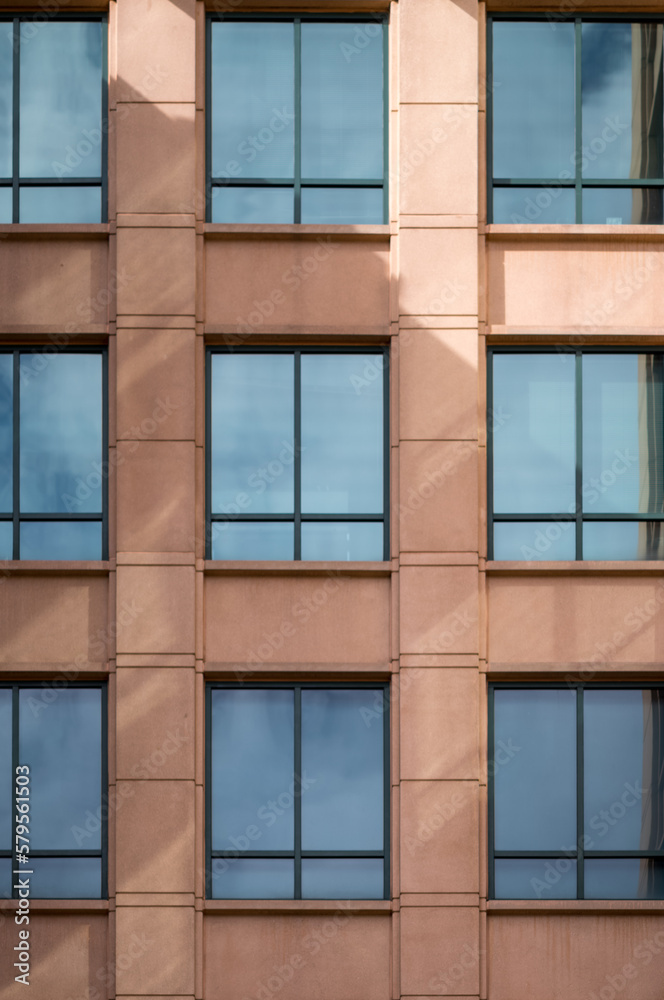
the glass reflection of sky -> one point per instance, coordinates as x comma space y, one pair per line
6, 431
621, 878
343, 810
66, 878
534, 450
61, 743
533, 99
253, 758
614, 750
61, 99
342, 101
535, 790
613, 461
252, 83
252, 417
342, 434
61, 432
526, 878
6, 104
342, 878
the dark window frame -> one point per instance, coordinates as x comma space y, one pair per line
580, 517
38, 687
578, 182
297, 853
580, 853
16, 182
297, 519
15, 516
298, 182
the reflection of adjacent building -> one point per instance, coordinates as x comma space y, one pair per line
647, 153
652, 803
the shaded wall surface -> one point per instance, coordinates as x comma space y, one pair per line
437, 620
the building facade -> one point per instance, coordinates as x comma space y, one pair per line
331, 455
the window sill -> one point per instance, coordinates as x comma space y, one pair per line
302, 230
220, 567
634, 567
519, 231
575, 906
296, 906
53, 566
93, 230
59, 905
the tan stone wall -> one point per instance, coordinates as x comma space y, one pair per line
437, 285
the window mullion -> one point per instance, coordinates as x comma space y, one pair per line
297, 793
578, 130
16, 111
578, 407
15, 763
16, 458
580, 891
297, 465
297, 101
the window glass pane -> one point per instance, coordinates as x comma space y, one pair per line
6, 774
61, 540
6, 99
535, 878
343, 541
535, 540
61, 433
621, 92
60, 204
6, 208
342, 433
534, 450
623, 206
342, 100
252, 416
535, 770
623, 540
624, 769
343, 206
6, 431
61, 99
252, 878
252, 107
6, 540
342, 756
266, 206
529, 205
623, 433
5, 878
66, 878
61, 742
252, 540
342, 878
252, 770
624, 878
533, 100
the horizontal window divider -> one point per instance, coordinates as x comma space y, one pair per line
515, 855
584, 517
290, 518
60, 517
314, 183
572, 854
372, 18
290, 855
595, 182
66, 854
59, 182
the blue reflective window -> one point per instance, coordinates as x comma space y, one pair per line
55, 146
55, 734
298, 110
299, 792
52, 446
576, 445
576, 792
297, 459
576, 111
